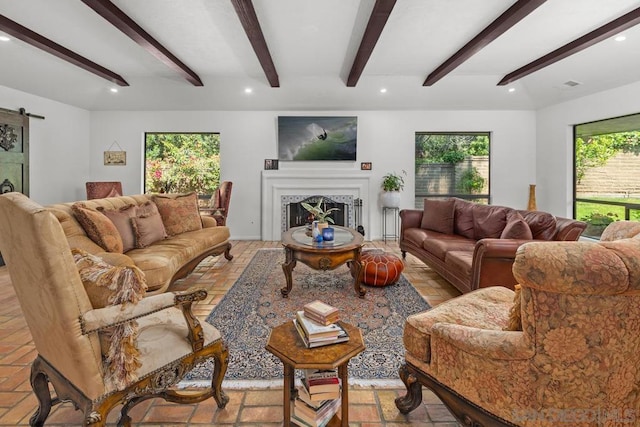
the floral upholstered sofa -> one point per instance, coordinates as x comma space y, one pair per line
561, 350
163, 235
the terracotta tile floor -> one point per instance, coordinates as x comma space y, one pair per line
368, 407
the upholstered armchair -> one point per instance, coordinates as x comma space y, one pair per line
98, 358
220, 202
565, 351
103, 189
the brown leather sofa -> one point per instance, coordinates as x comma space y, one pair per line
473, 245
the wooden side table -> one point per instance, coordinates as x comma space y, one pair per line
286, 344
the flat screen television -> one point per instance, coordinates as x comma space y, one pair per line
317, 138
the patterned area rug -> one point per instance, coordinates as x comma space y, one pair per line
254, 305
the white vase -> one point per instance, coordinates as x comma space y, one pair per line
390, 199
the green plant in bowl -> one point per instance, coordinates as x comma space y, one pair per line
320, 213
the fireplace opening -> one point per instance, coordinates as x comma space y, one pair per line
298, 216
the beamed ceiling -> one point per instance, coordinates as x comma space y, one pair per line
318, 54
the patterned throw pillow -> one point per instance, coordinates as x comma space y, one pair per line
179, 212
98, 227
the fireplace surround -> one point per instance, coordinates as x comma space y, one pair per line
280, 187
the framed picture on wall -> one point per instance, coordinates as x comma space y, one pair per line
270, 164
365, 166
115, 158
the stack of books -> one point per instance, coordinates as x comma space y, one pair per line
316, 335
322, 313
318, 398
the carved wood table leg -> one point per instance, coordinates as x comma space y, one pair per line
358, 273
288, 387
287, 268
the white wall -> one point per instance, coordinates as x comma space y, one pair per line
555, 141
385, 138
58, 146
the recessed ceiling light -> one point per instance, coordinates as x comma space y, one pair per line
383, 90
620, 38
248, 90
114, 90
512, 89
4, 39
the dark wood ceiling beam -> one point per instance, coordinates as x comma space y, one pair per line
628, 20
508, 19
124, 23
378, 19
249, 20
28, 36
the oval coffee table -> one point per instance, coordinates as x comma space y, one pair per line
346, 247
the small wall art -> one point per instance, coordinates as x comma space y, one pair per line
115, 158
365, 166
270, 164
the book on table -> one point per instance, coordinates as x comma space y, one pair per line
319, 416
321, 312
319, 341
316, 330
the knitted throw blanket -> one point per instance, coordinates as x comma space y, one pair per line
126, 285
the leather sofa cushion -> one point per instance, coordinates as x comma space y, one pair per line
439, 246
460, 260
463, 219
438, 215
416, 236
486, 308
488, 221
542, 224
516, 228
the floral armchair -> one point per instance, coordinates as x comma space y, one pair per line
158, 339
574, 361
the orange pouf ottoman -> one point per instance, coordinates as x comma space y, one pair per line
380, 269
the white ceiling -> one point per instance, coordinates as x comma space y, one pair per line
313, 44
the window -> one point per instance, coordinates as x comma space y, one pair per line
182, 162
452, 165
607, 166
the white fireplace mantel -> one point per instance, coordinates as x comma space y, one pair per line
278, 183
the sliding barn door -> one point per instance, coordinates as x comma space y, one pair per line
14, 152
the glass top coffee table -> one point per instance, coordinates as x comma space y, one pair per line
346, 247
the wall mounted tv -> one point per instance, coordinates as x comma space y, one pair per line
317, 138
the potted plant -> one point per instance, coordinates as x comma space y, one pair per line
320, 213
392, 184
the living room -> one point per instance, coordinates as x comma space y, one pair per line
531, 134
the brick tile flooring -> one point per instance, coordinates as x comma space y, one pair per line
368, 407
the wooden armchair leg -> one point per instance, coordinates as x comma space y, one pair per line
221, 361
413, 398
40, 386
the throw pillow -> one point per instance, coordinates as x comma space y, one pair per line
488, 221
438, 215
148, 229
121, 218
98, 227
110, 285
516, 228
542, 224
463, 223
515, 319
179, 213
